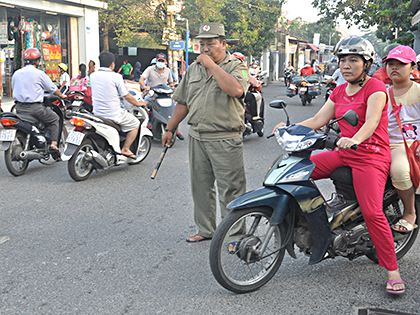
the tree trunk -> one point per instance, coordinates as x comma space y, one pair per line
106, 36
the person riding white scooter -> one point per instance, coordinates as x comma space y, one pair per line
107, 87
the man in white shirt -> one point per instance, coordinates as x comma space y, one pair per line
337, 77
107, 87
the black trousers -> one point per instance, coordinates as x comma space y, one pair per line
44, 114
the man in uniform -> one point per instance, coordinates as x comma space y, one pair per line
28, 86
107, 87
212, 93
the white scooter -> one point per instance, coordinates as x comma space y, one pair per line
96, 142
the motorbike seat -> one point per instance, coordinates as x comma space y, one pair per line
110, 123
25, 117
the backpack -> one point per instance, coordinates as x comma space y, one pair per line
79, 84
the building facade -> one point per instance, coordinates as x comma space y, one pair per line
64, 31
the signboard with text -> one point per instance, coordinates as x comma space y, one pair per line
177, 45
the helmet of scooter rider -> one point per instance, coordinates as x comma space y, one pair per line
153, 62
334, 59
355, 45
307, 62
238, 55
31, 55
63, 66
387, 49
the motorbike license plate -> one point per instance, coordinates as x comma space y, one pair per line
8, 135
77, 103
75, 137
303, 89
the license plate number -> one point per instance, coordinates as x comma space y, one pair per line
75, 137
8, 135
303, 89
77, 103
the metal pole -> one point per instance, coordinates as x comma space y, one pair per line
187, 35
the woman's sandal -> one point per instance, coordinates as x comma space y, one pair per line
405, 224
392, 283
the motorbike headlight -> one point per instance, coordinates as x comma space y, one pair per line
305, 144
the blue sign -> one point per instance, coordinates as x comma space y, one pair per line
177, 45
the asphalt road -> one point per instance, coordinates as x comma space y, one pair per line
115, 244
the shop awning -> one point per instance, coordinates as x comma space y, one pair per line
90, 3
313, 47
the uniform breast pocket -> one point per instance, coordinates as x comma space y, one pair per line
195, 84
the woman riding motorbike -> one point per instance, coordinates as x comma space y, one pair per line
371, 161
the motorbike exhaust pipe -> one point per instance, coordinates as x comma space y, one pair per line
95, 158
29, 155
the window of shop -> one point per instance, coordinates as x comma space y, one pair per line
21, 29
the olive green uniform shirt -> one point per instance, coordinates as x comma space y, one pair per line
213, 115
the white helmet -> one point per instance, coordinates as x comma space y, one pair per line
354, 45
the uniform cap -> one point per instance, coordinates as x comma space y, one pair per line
211, 30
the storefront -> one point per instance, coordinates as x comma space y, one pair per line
64, 31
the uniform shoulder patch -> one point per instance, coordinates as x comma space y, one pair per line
245, 73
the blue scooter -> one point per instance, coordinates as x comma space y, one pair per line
249, 245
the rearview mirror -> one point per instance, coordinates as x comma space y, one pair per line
351, 118
277, 104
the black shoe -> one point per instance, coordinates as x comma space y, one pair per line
180, 136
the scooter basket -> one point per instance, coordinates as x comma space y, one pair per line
297, 78
313, 78
290, 92
314, 89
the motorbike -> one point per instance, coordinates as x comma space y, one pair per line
25, 138
330, 87
257, 125
77, 101
288, 75
96, 142
162, 107
290, 210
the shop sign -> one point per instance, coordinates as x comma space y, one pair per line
51, 52
177, 45
3, 33
292, 49
132, 51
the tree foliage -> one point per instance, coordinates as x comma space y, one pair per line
124, 18
391, 17
254, 22
305, 30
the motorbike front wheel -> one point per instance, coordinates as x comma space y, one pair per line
14, 164
143, 150
80, 169
245, 269
402, 241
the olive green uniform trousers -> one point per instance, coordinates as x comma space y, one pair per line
215, 161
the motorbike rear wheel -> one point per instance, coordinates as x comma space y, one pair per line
14, 164
402, 241
303, 99
244, 270
80, 169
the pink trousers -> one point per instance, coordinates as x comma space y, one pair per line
369, 179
